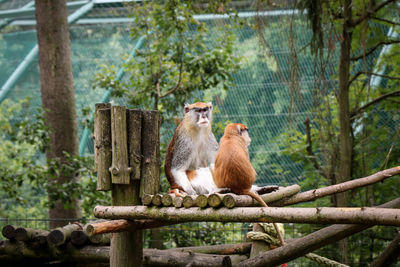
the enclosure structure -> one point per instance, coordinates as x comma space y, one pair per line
127, 162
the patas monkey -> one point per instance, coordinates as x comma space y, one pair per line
192, 146
232, 168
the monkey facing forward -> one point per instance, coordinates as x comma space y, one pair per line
232, 168
192, 146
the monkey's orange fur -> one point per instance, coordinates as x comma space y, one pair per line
232, 167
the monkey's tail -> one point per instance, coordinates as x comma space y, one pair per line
262, 203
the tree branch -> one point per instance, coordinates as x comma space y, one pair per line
309, 149
368, 13
372, 74
387, 42
338, 188
373, 102
387, 21
311, 242
178, 85
389, 255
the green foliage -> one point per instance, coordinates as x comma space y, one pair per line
176, 60
26, 177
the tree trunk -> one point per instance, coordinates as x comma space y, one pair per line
58, 96
344, 114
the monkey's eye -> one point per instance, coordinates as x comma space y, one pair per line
201, 109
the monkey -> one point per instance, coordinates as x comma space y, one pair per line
232, 167
202, 182
192, 146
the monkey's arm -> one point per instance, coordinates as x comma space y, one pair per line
181, 161
213, 148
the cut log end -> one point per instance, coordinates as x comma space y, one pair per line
56, 237
201, 201
8, 231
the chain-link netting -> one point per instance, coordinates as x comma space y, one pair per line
265, 97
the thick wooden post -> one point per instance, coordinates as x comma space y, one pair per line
150, 171
102, 145
258, 247
120, 171
127, 247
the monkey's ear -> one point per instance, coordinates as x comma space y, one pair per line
210, 105
186, 108
238, 129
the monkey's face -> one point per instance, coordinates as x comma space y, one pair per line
244, 132
200, 113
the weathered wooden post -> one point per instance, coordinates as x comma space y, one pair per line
127, 164
102, 145
150, 169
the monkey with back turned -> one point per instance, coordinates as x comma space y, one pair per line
232, 167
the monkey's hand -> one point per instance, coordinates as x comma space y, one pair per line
264, 189
177, 192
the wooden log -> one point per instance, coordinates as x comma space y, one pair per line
116, 226
338, 188
41, 239
100, 239
311, 242
28, 234
325, 215
167, 199
18, 252
151, 163
258, 247
102, 145
177, 202
150, 168
390, 255
79, 238
164, 258
156, 200
147, 199
60, 235
134, 126
127, 194
8, 231
225, 249
215, 200
188, 201
120, 171
232, 200
201, 201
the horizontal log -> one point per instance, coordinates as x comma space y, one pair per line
155, 257
117, 226
371, 216
156, 200
233, 200
311, 242
16, 251
79, 238
338, 188
60, 235
8, 231
224, 249
26, 234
